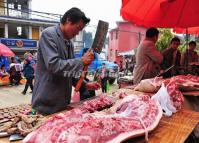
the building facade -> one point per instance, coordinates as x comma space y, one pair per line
123, 40
20, 27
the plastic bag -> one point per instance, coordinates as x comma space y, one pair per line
165, 102
107, 86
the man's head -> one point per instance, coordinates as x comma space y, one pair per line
192, 45
72, 22
152, 33
3, 67
26, 61
175, 42
103, 65
12, 60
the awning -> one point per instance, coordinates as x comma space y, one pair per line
127, 53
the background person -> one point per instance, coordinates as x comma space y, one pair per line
104, 78
171, 56
28, 73
190, 54
3, 72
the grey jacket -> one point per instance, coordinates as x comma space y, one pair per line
54, 72
148, 60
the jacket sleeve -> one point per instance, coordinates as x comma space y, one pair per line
164, 63
53, 62
83, 86
154, 54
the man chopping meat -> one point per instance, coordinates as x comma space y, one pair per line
148, 58
56, 65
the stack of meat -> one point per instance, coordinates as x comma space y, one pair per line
131, 116
187, 83
174, 86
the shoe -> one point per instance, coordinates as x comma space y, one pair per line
30, 92
24, 93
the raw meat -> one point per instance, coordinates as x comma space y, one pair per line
174, 92
187, 82
149, 85
129, 117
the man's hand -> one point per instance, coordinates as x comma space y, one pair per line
88, 57
92, 86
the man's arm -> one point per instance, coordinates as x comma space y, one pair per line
52, 59
83, 86
154, 54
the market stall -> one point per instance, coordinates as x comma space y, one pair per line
175, 128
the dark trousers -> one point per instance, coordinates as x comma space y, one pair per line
103, 85
85, 94
28, 83
15, 79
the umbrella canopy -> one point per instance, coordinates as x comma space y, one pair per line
161, 13
191, 30
5, 51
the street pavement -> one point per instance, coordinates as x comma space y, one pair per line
12, 96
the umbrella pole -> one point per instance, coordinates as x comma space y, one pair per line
187, 52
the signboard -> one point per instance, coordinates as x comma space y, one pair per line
13, 43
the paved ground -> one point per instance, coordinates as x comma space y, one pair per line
11, 95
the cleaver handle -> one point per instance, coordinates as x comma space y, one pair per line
81, 79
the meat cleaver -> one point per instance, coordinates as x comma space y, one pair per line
15, 137
100, 36
166, 70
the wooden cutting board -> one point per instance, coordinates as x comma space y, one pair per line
173, 129
191, 93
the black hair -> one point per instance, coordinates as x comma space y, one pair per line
152, 32
192, 43
176, 39
74, 15
2, 66
28, 61
103, 64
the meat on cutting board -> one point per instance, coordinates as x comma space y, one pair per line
129, 117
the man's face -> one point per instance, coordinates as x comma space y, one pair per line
175, 44
156, 38
3, 68
192, 47
72, 29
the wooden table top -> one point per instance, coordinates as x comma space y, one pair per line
173, 129
191, 93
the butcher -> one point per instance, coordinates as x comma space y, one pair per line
148, 58
56, 66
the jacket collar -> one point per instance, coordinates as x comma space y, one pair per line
59, 32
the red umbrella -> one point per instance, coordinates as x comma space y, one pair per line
5, 51
161, 13
191, 30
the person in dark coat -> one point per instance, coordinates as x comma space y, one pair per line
28, 72
104, 78
171, 56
